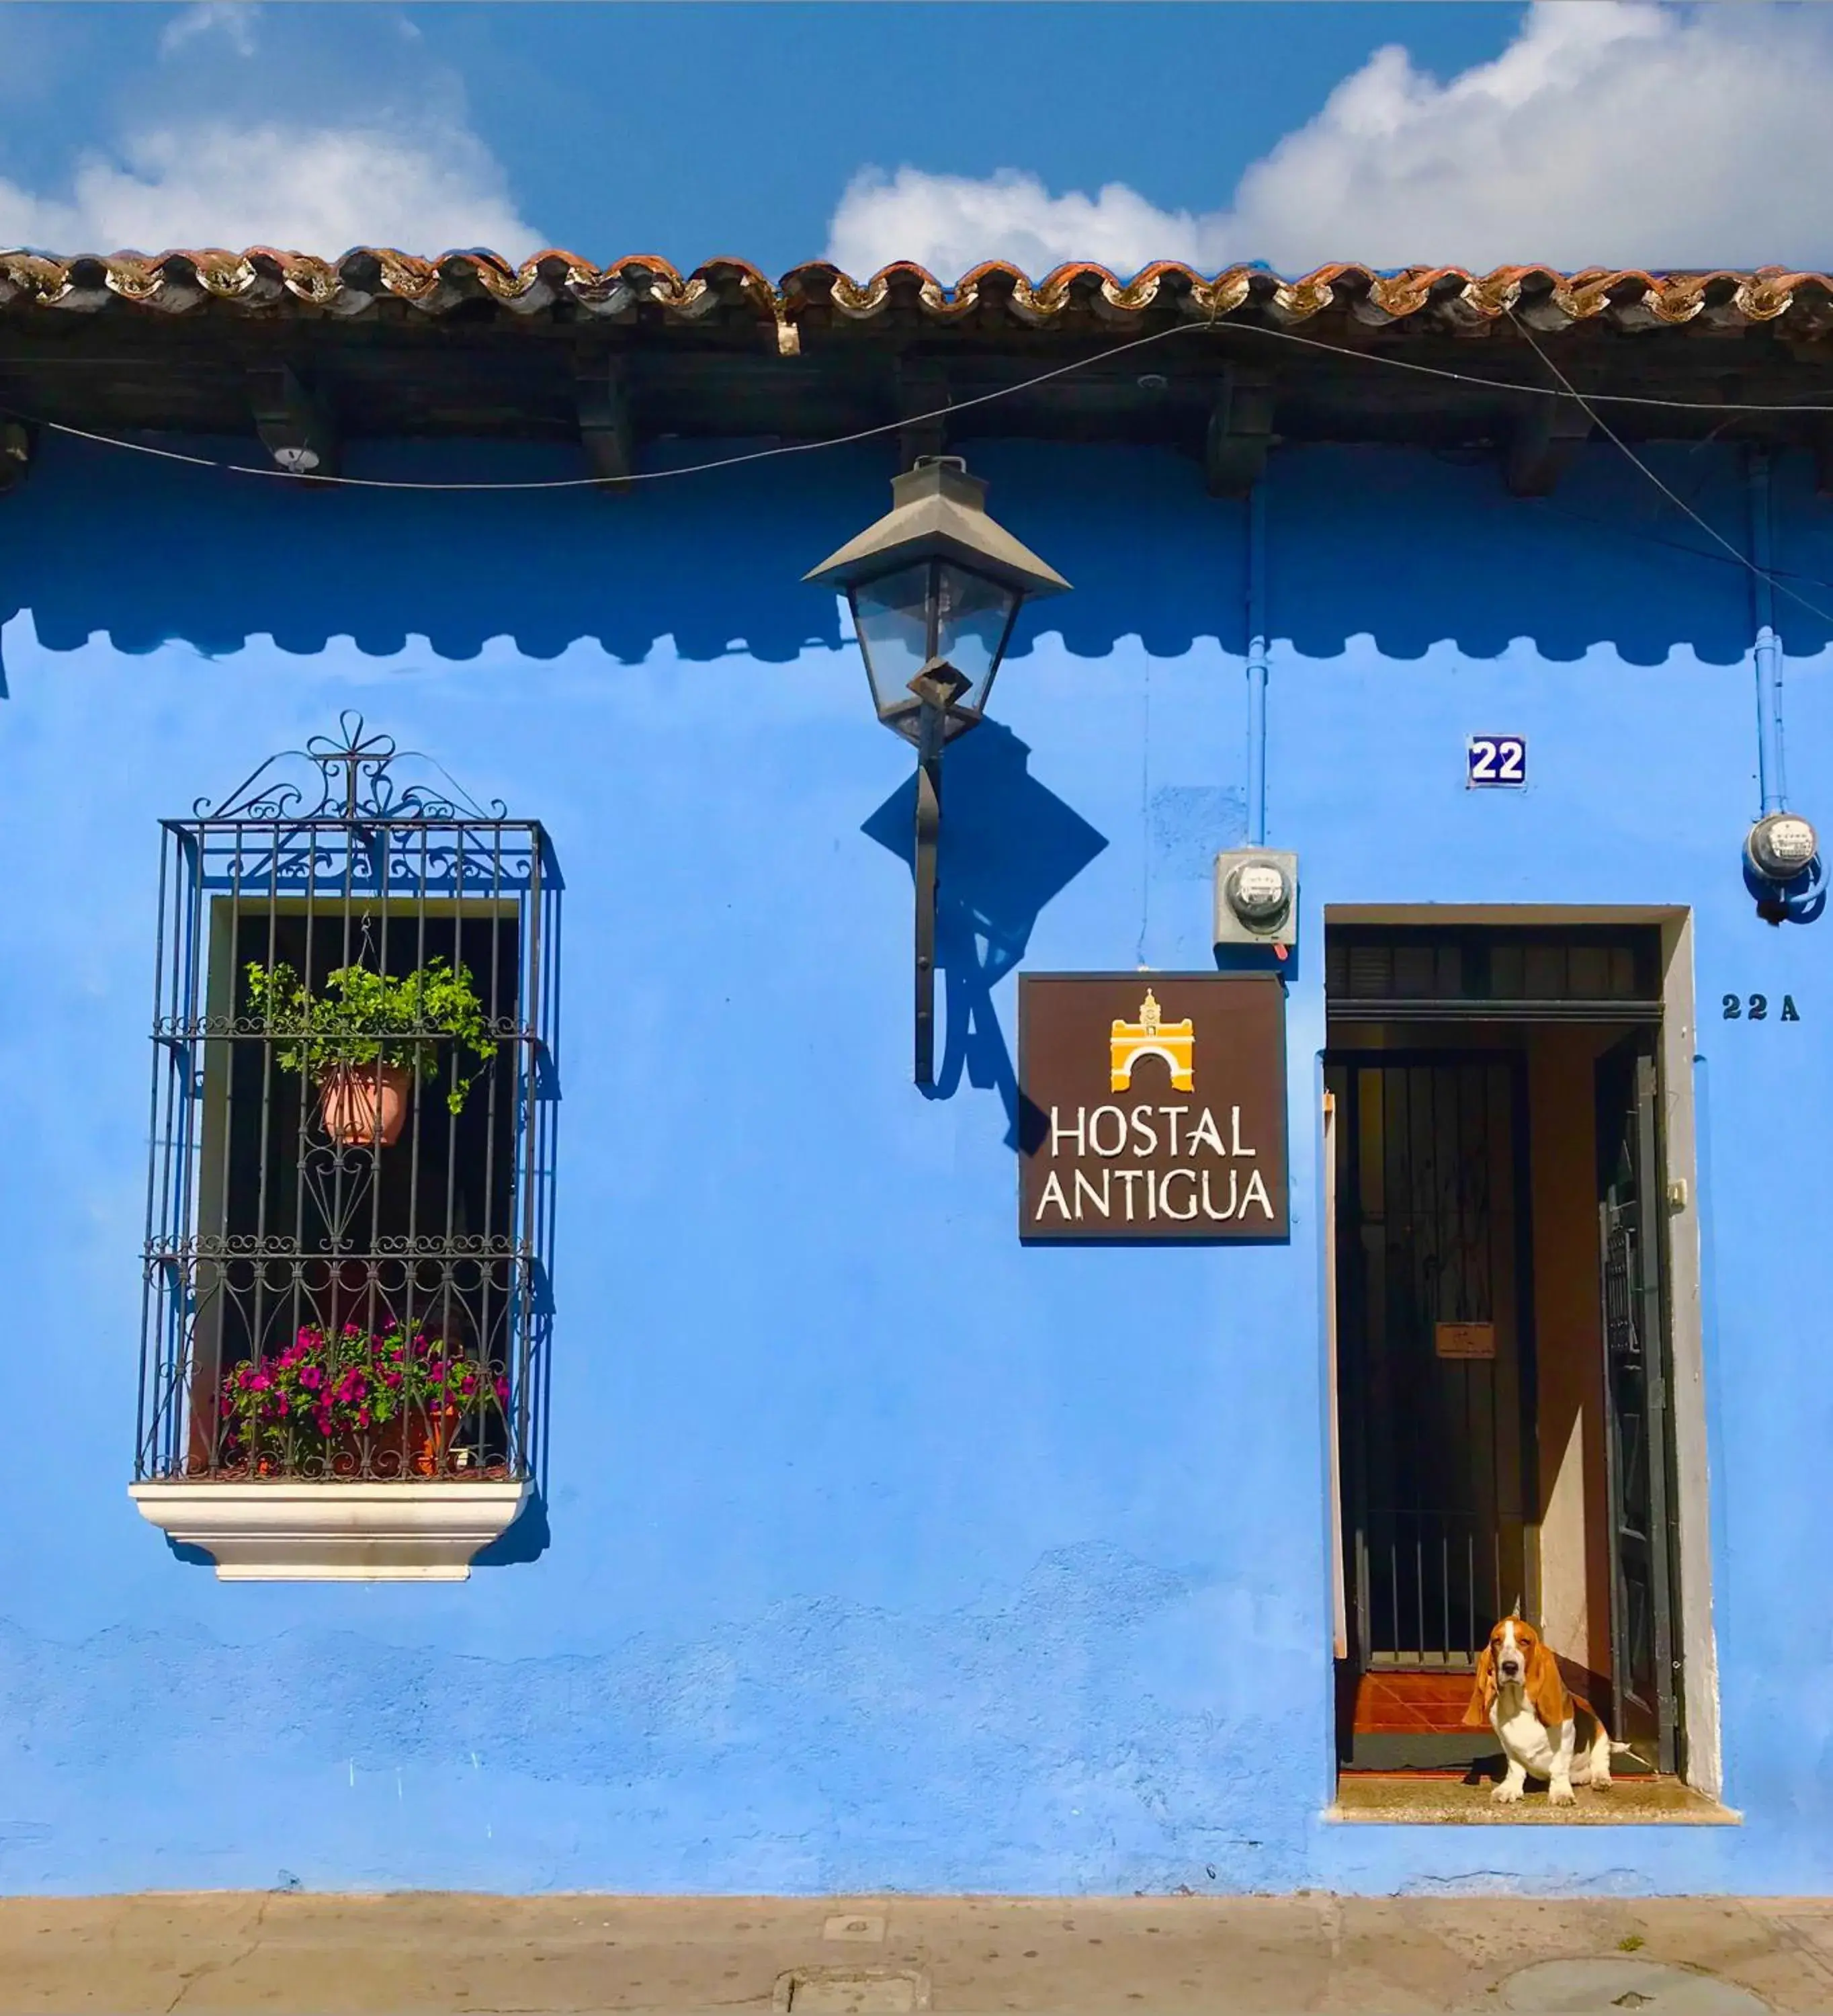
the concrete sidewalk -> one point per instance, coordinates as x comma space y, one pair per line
285, 1953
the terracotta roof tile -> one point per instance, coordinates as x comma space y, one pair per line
264, 280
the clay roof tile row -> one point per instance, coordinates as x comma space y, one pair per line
262, 280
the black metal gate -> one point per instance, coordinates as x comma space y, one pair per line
1432, 1273
1642, 1586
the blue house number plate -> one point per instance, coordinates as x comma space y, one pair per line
1497, 759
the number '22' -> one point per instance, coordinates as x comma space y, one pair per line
1757, 1008
1498, 759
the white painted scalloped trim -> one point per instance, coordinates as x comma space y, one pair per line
335, 1531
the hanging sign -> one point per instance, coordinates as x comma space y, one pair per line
1152, 1107
1464, 1340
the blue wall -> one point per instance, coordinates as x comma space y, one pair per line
882, 1553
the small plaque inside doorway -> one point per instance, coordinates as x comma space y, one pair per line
1464, 1340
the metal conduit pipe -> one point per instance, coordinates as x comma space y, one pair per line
1781, 853
1257, 665
1772, 776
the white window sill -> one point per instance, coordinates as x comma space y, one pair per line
287, 1531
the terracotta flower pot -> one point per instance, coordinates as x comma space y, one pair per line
429, 1456
348, 1103
414, 1444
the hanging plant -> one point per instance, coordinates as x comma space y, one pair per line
366, 1037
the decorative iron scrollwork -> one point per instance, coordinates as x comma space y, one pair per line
370, 1252
354, 781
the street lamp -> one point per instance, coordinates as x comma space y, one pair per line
935, 587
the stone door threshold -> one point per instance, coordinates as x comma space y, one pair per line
1405, 1798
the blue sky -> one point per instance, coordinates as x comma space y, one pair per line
1614, 131
709, 129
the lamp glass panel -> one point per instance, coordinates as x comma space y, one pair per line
972, 617
890, 613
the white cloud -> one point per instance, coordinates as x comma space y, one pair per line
232, 20
425, 188
949, 223
1608, 132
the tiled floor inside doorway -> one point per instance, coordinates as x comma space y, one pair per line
1394, 1702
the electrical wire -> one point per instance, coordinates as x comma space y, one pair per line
1564, 389
1673, 496
1652, 539
1723, 408
636, 476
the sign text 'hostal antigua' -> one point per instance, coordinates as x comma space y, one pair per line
1152, 1106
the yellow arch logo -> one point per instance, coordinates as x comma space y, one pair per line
1152, 1036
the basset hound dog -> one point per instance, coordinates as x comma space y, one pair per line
1544, 1730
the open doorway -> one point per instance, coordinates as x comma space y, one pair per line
1501, 1328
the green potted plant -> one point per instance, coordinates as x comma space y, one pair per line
365, 1037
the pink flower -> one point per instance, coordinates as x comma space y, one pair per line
311, 1378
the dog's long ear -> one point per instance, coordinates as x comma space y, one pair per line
1483, 1695
1545, 1688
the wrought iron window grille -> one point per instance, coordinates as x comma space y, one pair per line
349, 1187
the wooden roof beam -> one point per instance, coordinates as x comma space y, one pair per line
601, 397
922, 388
16, 454
1241, 431
1542, 444
295, 425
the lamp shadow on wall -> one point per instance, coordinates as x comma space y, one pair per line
1008, 847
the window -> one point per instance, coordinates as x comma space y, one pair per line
351, 1141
